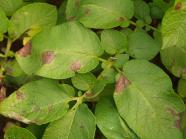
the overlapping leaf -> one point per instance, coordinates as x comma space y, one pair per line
61, 51
32, 18
76, 124
37, 102
100, 14
173, 52
144, 98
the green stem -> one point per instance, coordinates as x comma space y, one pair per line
9, 44
79, 100
151, 27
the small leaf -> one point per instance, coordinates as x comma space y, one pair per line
114, 42
18, 133
36, 102
110, 123
100, 14
62, 51
142, 46
76, 124
121, 59
182, 87
145, 98
10, 6
32, 17
142, 11
84, 81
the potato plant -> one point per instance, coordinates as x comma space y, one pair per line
92, 69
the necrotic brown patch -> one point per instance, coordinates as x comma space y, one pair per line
2, 93
48, 57
177, 116
178, 6
120, 19
26, 50
20, 95
75, 66
121, 84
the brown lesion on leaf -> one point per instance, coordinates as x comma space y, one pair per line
48, 57
77, 3
26, 50
121, 19
71, 18
76, 66
178, 6
177, 116
20, 95
87, 11
50, 108
2, 92
121, 84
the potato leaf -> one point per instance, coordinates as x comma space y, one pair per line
144, 98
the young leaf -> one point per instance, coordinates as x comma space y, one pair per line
10, 6
145, 98
100, 14
61, 51
110, 123
142, 45
142, 11
114, 42
182, 87
16, 132
37, 102
121, 59
76, 124
173, 52
32, 17
84, 81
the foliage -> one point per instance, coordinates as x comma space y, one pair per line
93, 69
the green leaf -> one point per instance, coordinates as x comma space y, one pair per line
16, 132
10, 6
142, 45
182, 87
121, 59
114, 42
145, 98
32, 18
100, 14
173, 52
83, 81
142, 11
110, 123
37, 130
76, 124
3, 23
61, 51
163, 4
37, 102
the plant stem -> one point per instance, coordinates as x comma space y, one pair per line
9, 44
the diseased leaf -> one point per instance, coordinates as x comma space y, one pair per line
32, 18
10, 6
110, 123
76, 124
100, 14
36, 102
145, 98
182, 87
83, 81
173, 53
142, 45
16, 132
114, 42
61, 51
